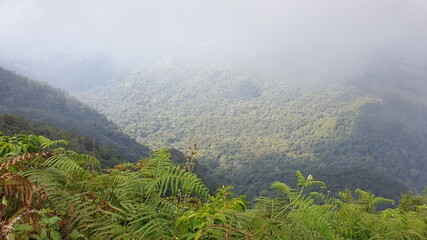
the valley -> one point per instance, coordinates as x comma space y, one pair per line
253, 128
213, 120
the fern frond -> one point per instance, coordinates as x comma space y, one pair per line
65, 163
129, 186
80, 211
378, 200
319, 197
285, 190
310, 183
24, 157
84, 160
300, 178
150, 220
174, 179
47, 179
315, 222
369, 201
18, 187
46, 143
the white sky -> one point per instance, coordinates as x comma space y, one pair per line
311, 30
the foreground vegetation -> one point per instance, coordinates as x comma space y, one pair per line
49, 192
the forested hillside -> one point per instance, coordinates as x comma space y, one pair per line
38, 102
254, 128
11, 124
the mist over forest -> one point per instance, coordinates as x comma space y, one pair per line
139, 62
170, 102
328, 39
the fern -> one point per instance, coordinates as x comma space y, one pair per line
175, 179
14, 161
153, 199
369, 201
65, 163
46, 143
222, 217
15, 186
285, 190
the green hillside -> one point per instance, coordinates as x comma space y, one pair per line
11, 124
40, 103
254, 128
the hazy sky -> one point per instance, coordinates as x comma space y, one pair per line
308, 30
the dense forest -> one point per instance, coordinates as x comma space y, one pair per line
253, 128
43, 104
367, 150
49, 192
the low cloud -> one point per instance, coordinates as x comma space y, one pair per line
340, 35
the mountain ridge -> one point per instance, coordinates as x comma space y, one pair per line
39, 102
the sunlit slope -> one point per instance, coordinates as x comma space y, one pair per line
255, 128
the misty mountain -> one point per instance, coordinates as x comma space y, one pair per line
255, 128
395, 79
66, 72
42, 104
85, 73
251, 94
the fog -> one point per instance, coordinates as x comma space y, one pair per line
339, 36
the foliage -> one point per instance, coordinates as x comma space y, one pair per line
11, 124
41, 103
121, 204
49, 192
295, 215
255, 128
221, 217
